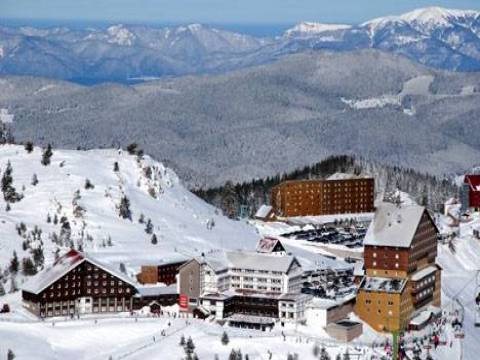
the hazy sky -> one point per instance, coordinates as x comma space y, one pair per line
218, 11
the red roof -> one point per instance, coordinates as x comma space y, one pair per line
473, 181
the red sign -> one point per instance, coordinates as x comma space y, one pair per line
183, 301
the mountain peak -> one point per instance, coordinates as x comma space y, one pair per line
437, 15
311, 28
426, 17
119, 34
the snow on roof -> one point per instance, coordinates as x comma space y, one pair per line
267, 245
263, 211
247, 260
358, 269
64, 265
342, 176
419, 275
379, 284
473, 182
425, 315
157, 290
394, 225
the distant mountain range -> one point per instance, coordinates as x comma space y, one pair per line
267, 119
437, 37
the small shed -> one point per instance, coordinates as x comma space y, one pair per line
270, 245
265, 213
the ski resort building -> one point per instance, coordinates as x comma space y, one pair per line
78, 283
470, 193
245, 289
272, 246
164, 271
401, 276
338, 194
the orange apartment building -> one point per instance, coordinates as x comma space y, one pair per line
401, 276
338, 194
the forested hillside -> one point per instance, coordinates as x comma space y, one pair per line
426, 189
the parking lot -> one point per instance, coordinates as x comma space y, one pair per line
349, 236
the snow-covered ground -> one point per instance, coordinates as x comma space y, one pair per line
179, 218
182, 223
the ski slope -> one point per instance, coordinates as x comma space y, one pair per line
179, 218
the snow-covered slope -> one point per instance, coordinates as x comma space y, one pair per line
181, 221
461, 264
427, 19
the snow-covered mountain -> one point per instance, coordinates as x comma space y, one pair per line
183, 224
118, 52
443, 38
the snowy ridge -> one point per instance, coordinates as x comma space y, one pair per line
313, 28
425, 18
182, 223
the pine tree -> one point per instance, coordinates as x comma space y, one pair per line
324, 354
29, 147
28, 268
189, 346
132, 148
89, 185
47, 155
124, 208
154, 239
38, 256
9, 193
2, 289
182, 341
49, 219
149, 227
225, 340
10, 354
34, 180
14, 264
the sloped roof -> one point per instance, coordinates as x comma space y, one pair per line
64, 265
263, 211
248, 260
157, 290
342, 176
267, 245
419, 275
394, 225
473, 182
